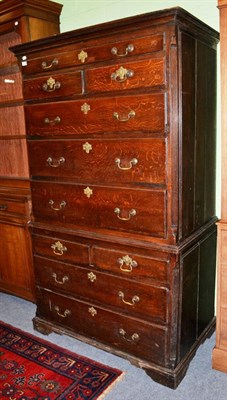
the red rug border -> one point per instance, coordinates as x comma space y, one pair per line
59, 348
66, 351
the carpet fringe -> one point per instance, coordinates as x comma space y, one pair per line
110, 387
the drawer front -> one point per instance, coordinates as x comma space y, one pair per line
130, 265
11, 87
116, 161
12, 206
130, 297
142, 113
141, 211
134, 75
55, 86
75, 55
122, 332
60, 250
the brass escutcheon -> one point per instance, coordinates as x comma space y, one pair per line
92, 311
88, 192
91, 276
87, 147
85, 108
82, 56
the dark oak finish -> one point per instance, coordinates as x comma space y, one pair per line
20, 21
219, 359
122, 166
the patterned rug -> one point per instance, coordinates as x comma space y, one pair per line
34, 369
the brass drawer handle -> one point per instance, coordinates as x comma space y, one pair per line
61, 205
54, 121
134, 338
61, 249
64, 279
51, 85
135, 299
55, 164
129, 263
122, 74
124, 118
132, 162
53, 63
3, 207
132, 213
129, 49
66, 312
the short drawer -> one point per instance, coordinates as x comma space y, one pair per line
59, 85
127, 296
60, 250
131, 265
125, 76
142, 113
106, 161
141, 339
124, 209
72, 55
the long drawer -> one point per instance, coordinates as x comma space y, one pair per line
141, 113
75, 54
135, 298
106, 161
124, 209
122, 332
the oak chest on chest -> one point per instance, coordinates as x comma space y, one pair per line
120, 121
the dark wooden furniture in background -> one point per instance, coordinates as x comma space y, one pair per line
220, 350
121, 137
20, 21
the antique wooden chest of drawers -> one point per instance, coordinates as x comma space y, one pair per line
120, 122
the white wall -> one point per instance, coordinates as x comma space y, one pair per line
80, 13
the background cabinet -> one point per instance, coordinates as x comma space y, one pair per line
20, 21
220, 350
